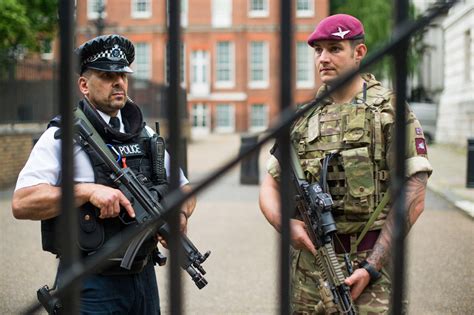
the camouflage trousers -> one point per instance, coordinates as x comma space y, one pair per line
305, 296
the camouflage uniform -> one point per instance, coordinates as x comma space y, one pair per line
360, 134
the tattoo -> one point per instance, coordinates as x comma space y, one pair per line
415, 203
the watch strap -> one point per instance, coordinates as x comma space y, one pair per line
373, 273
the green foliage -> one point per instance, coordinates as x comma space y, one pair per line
26, 24
378, 19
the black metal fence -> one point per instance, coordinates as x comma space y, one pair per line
29, 92
396, 47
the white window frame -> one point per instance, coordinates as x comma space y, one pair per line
141, 14
138, 62
221, 84
200, 113
183, 64
265, 117
304, 51
93, 15
200, 60
221, 13
231, 113
305, 13
264, 83
259, 13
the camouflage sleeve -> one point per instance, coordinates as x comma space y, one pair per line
416, 150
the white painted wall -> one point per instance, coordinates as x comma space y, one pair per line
456, 109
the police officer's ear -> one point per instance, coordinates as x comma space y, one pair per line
360, 50
82, 82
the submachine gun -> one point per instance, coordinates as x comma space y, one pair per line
143, 202
314, 206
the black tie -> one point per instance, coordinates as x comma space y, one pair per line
115, 123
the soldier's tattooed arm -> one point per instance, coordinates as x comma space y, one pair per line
415, 204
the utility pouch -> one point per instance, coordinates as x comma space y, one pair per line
48, 236
359, 172
91, 229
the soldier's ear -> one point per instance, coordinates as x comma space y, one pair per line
359, 52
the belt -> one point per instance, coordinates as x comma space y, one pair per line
113, 267
342, 242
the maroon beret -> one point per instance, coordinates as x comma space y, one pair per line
337, 27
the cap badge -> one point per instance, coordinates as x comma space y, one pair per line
115, 53
340, 33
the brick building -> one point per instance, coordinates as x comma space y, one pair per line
229, 58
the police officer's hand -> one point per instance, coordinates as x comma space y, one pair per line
357, 281
109, 200
183, 226
299, 236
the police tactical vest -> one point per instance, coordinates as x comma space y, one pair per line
131, 151
357, 174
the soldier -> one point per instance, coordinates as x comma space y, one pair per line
351, 131
104, 63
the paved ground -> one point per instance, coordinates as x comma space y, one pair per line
243, 267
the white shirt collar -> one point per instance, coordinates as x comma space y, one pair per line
106, 118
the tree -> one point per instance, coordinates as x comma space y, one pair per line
26, 25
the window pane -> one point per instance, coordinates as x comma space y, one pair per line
258, 5
257, 62
142, 63
223, 115
221, 13
223, 61
303, 5
302, 71
258, 116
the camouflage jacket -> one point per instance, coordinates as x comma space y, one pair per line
359, 136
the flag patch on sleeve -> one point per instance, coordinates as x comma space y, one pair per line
420, 146
419, 131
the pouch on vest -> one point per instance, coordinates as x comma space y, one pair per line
48, 236
311, 168
355, 126
91, 230
359, 173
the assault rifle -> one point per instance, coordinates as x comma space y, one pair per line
143, 202
314, 206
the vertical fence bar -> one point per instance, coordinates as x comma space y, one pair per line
68, 217
398, 189
286, 96
174, 136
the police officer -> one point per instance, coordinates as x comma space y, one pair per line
104, 63
351, 131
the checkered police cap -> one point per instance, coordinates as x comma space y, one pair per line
110, 53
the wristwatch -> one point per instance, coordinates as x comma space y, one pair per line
373, 273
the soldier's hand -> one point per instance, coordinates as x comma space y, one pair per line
299, 236
358, 281
109, 200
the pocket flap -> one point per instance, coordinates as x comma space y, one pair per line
91, 232
359, 172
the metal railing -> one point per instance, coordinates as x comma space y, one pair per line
69, 293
